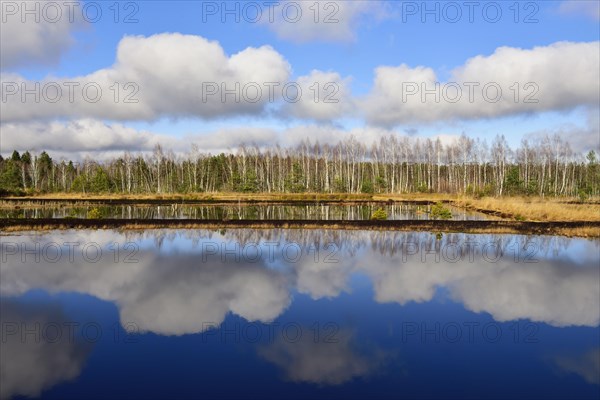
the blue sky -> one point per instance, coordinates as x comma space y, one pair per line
366, 37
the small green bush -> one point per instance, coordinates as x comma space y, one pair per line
379, 215
94, 213
583, 196
422, 188
438, 211
367, 187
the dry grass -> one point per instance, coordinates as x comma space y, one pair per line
533, 208
416, 197
576, 229
586, 232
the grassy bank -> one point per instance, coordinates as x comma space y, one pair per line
532, 209
572, 228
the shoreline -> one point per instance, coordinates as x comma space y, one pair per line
586, 229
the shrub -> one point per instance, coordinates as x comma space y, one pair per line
583, 196
422, 188
94, 213
367, 187
379, 215
438, 211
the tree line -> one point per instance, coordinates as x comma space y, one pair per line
393, 164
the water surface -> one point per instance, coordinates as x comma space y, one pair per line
298, 313
256, 212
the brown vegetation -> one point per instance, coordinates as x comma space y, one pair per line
571, 228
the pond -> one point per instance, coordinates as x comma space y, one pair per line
298, 314
257, 212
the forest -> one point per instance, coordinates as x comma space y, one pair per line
394, 164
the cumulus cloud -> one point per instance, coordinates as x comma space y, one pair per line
484, 87
179, 76
325, 97
85, 135
81, 138
88, 138
25, 41
323, 20
166, 74
27, 367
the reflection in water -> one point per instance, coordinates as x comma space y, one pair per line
586, 365
174, 292
175, 295
33, 359
558, 294
257, 212
167, 295
323, 362
182, 282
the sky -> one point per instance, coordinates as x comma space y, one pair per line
96, 79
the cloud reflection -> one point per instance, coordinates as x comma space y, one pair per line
559, 294
172, 291
32, 363
586, 365
171, 294
320, 362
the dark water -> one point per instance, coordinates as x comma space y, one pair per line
262, 212
298, 314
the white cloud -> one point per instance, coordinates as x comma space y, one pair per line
25, 41
392, 101
581, 137
323, 20
587, 8
325, 97
88, 138
167, 74
76, 136
229, 139
180, 76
